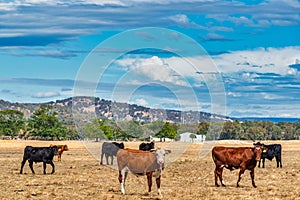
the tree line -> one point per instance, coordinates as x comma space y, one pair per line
44, 124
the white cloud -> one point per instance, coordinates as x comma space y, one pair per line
269, 60
141, 102
182, 19
152, 69
46, 94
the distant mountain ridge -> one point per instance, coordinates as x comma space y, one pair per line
107, 109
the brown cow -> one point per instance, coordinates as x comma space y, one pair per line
244, 158
141, 163
61, 149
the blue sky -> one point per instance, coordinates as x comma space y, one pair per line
238, 58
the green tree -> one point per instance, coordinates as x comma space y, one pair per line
93, 130
203, 128
11, 122
288, 129
275, 133
231, 130
45, 124
269, 128
155, 126
254, 133
168, 131
131, 129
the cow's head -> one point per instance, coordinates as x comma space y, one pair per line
119, 145
65, 147
160, 155
258, 144
54, 149
258, 149
151, 145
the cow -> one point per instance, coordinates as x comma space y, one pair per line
61, 149
138, 162
39, 154
146, 146
274, 150
243, 158
110, 149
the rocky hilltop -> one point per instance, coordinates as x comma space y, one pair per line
84, 106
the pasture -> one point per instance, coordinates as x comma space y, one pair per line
189, 174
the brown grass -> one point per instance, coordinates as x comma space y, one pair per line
189, 176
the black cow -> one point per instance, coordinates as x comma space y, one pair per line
146, 146
274, 150
39, 154
110, 149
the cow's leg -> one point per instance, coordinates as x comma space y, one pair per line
31, 165
106, 156
278, 161
22, 165
59, 157
101, 160
218, 173
112, 160
216, 177
221, 176
158, 185
259, 163
122, 178
149, 179
44, 167
241, 173
263, 162
252, 177
53, 167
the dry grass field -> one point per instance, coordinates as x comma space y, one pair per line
188, 175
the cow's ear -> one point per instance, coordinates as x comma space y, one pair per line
168, 151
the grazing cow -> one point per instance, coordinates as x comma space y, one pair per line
232, 158
274, 150
149, 163
110, 149
61, 149
39, 154
146, 146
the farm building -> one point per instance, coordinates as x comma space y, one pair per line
191, 137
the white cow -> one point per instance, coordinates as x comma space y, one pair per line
149, 163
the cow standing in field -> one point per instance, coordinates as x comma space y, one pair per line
141, 163
146, 146
274, 150
39, 154
110, 149
61, 149
243, 158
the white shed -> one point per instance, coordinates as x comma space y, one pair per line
186, 137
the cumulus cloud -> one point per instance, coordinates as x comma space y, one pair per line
153, 69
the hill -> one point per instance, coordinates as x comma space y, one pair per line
79, 106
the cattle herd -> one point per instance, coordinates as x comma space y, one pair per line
150, 161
